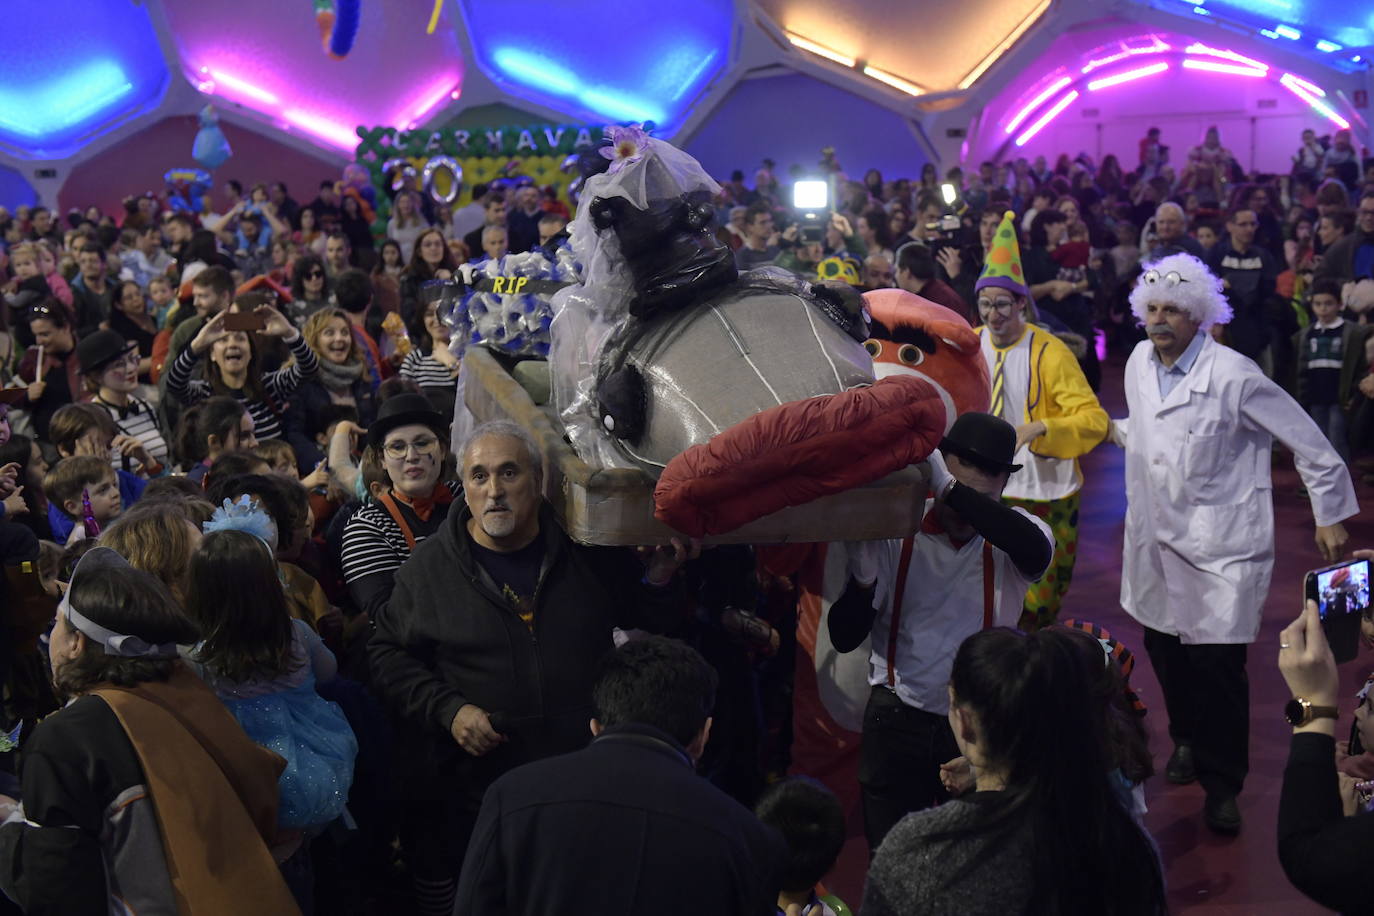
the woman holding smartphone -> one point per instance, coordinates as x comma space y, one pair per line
232, 369
1325, 842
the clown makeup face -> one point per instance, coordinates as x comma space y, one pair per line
121, 374
413, 456
1004, 313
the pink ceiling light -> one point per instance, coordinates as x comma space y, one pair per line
1046, 118
1216, 67
1129, 76
1197, 48
219, 82
1035, 103
215, 81
1311, 88
238, 86
1310, 94
1156, 46
332, 132
441, 91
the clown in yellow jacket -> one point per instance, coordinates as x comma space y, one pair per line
1038, 387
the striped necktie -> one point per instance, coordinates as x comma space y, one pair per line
997, 383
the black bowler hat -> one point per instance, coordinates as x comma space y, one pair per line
983, 439
98, 350
403, 410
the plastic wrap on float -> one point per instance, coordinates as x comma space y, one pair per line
590, 315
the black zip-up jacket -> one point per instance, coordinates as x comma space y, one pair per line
447, 639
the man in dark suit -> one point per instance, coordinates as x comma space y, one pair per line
625, 826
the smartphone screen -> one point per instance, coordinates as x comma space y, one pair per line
243, 321
1342, 596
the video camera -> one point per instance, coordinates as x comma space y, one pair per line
811, 202
948, 230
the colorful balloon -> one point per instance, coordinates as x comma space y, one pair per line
338, 22
211, 147
442, 179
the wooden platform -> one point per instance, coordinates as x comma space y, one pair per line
615, 506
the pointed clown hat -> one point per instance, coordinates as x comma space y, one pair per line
1003, 266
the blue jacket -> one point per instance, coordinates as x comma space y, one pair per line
131, 487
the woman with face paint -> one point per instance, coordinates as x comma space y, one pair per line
409, 440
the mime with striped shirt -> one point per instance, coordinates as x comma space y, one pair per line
232, 368
966, 569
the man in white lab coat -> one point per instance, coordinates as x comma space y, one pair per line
1199, 545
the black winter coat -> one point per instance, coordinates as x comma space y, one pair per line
621, 828
306, 403
447, 639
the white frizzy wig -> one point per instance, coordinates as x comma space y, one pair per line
1182, 280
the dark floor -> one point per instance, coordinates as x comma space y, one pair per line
1206, 874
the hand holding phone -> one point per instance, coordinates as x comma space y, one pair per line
1342, 596
1305, 659
244, 321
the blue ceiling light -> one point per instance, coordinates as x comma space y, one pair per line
618, 107
1346, 23
633, 61
42, 110
534, 71
1327, 46
74, 69
538, 72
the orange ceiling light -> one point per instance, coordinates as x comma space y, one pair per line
896, 82
820, 50
1030, 20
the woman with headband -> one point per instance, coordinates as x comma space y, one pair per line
142, 794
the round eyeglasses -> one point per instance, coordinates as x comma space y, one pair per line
1001, 306
424, 445
1169, 280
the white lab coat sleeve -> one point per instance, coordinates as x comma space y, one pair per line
1119, 429
1268, 407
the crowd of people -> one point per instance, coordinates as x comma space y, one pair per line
306, 644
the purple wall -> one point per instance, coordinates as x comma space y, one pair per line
790, 118
136, 164
14, 190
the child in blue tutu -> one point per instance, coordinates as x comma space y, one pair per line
264, 666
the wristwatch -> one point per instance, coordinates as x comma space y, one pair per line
1299, 711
